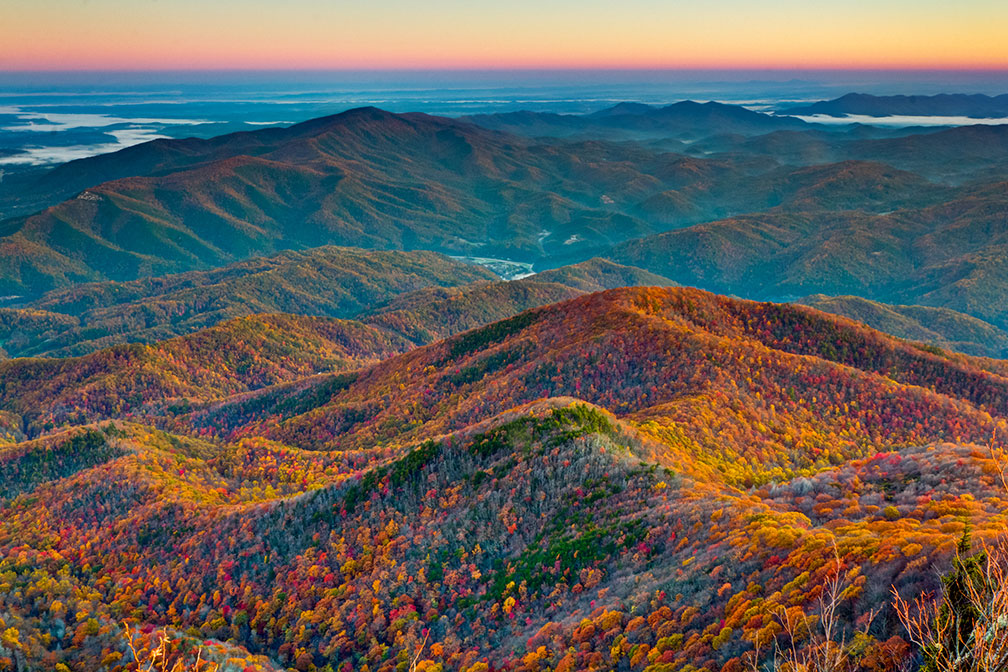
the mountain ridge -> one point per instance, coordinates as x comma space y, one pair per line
495, 490
938, 326
379, 180
975, 105
418, 296
944, 256
326, 281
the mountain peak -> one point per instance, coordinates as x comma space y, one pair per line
624, 108
355, 114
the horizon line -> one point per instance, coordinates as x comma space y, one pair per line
1001, 68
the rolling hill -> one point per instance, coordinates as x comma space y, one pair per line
373, 179
326, 281
380, 458
946, 256
941, 327
603, 348
956, 156
671, 357
234, 356
632, 478
262, 350
432, 314
419, 296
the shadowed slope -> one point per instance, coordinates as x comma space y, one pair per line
373, 179
949, 255
431, 314
937, 326
326, 281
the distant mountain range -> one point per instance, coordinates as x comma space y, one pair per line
369, 178
365, 178
686, 120
976, 106
775, 214
949, 255
938, 326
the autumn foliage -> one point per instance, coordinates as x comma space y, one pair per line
641, 479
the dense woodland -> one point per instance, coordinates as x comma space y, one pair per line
225, 431
637, 479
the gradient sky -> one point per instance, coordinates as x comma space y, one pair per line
336, 34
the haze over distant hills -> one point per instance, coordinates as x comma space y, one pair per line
977, 106
940, 326
686, 120
374, 179
791, 194
949, 255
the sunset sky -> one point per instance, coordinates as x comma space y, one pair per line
336, 34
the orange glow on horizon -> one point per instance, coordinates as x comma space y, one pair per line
312, 34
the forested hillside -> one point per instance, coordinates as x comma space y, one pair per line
324, 281
940, 326
630, 478
374, 179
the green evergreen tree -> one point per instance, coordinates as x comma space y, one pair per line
958, 614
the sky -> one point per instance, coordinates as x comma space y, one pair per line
506, 34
